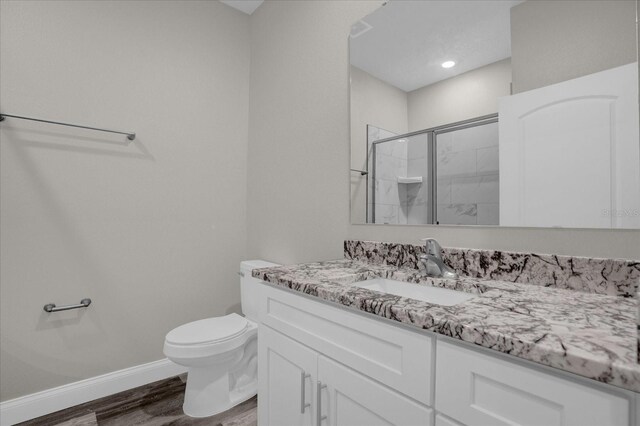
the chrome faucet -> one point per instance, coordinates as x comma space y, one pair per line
432, 261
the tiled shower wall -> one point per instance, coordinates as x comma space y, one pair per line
400, 203
467, 169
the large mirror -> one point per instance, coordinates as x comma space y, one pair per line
505, 113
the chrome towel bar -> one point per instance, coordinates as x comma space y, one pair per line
51, 307
130, 135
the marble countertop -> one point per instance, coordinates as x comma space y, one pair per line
592, 335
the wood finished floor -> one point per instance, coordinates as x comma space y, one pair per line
155, 404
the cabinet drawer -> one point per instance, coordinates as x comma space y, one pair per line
399, 358
478, 389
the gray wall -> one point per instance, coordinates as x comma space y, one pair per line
557, 40
298, 163
373, 102
469, 95
152, 232
298, 193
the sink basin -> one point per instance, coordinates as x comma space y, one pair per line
436, 295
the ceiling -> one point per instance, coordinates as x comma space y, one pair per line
409, 40
246, 6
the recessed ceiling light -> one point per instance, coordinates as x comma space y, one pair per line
448, 64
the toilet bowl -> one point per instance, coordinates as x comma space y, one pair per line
220, 353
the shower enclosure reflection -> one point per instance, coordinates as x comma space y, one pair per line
446, 175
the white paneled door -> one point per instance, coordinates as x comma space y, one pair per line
569, 153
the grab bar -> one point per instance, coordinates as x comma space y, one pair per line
51, 307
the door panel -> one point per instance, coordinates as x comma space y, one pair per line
351, 399
569, 153
287, 372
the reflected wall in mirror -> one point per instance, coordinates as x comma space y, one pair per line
507, 113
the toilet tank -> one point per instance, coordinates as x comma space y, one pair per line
248, 287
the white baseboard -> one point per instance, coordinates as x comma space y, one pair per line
51, 400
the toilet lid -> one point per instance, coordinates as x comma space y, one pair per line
208, 330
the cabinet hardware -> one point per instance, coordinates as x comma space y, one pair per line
303, 388
319, 416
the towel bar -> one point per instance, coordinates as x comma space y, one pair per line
130, 135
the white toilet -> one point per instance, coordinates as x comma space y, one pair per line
220, 352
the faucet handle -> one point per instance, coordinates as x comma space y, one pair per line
432, 247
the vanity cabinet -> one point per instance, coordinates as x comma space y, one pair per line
478, 389
322, 365
396, 356
299, 387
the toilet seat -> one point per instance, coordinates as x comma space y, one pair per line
210, 336
208, 331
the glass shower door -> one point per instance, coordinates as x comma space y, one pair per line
447, 175
467, 190
400, 180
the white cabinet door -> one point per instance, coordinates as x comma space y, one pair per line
287, 373
348, 398
477, 389
442, 420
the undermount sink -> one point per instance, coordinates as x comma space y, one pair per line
436, 295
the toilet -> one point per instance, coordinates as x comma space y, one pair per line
220, 353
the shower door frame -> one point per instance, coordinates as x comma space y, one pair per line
432, 133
